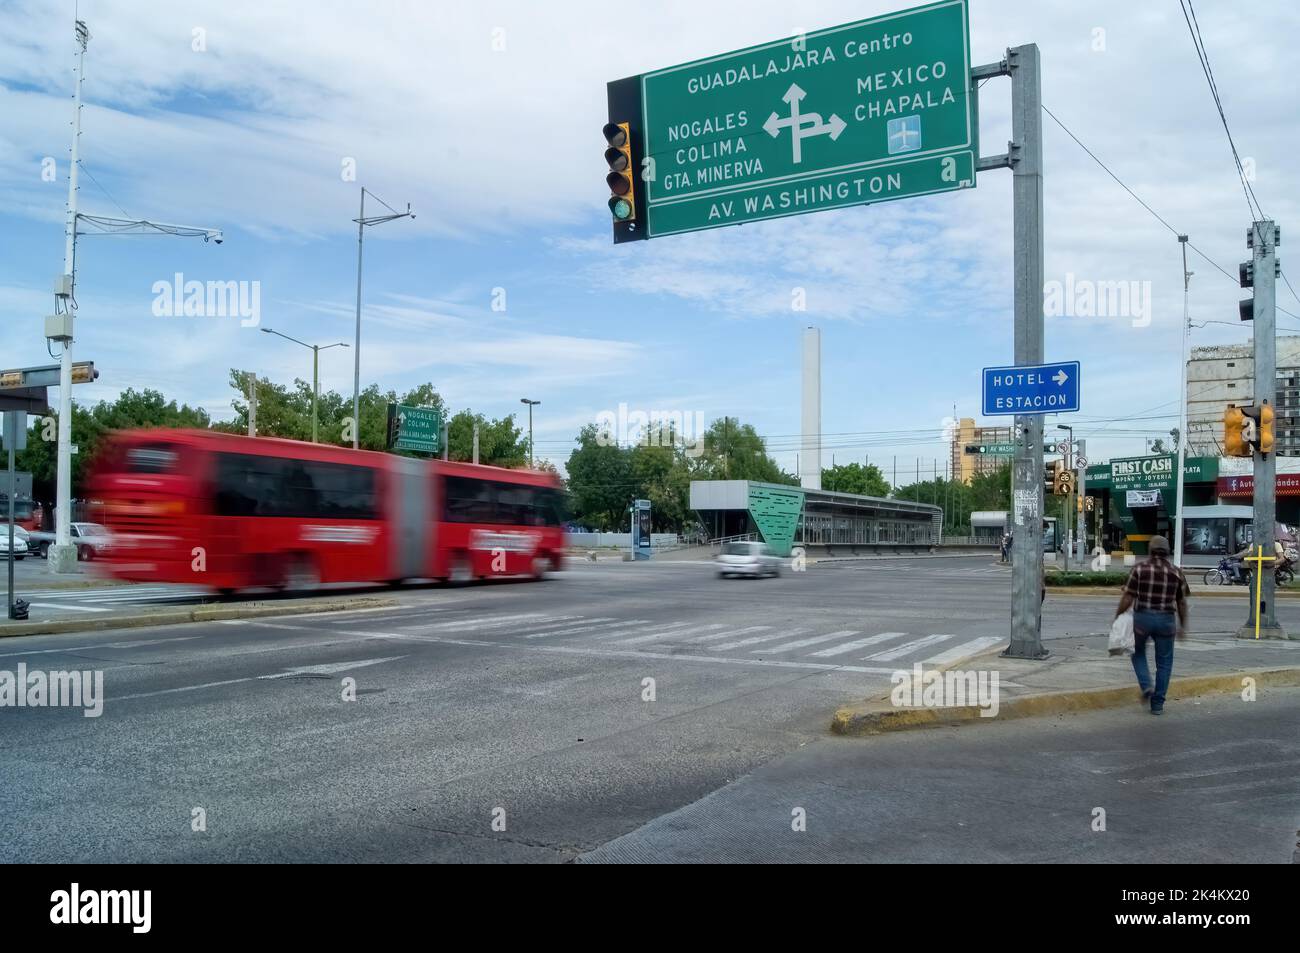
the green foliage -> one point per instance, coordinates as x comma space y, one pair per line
605, 479
1058, 578
500, 443
132, 409
855, 478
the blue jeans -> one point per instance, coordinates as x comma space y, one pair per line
1160, 627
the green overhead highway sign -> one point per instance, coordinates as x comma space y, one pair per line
870, 111
414, 428
992, 449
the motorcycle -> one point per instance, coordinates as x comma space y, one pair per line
1222, 574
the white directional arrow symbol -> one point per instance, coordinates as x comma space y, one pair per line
1060, 378
803, 125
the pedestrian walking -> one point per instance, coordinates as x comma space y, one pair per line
1157, 592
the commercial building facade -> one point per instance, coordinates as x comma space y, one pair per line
965, 466
1225, 374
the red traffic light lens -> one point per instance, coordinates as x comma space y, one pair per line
619, 183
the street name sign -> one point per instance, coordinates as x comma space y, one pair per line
869, 111
1032, 389
414, 428
992, 449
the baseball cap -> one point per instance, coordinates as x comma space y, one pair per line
1158, 543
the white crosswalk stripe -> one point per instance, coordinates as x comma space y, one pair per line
804, 643
857, 644
662, 632
899, 651
487, 622
561, 622
592, 625
755, 640
965, 650
725, 634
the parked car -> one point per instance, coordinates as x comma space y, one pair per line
747, 559
20, 542
91, 540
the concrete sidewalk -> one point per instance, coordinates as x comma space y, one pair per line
1081, 675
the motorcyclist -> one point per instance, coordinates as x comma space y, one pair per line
1237, 561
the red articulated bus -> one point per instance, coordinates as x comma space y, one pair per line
232, 512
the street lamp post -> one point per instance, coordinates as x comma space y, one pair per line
531, 404
60, 325
315, 372
362, 222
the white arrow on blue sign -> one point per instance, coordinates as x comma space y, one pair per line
1031, 389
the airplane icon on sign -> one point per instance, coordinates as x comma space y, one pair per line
804, 125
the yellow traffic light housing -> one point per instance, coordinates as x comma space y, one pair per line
1234, 442
622, 199
1064, 480
1265, 428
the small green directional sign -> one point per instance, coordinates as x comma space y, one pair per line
414, 428
992, 449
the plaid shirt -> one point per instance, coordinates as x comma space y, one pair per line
1156, 586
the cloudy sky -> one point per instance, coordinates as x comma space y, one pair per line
486, 118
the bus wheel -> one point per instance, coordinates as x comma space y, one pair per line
461, 571
300, 574
225, 592
540, 565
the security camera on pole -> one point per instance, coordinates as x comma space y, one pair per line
59, 326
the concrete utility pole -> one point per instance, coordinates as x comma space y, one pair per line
1025, 157
63, 555
476, 441
1263, 241
1182, 414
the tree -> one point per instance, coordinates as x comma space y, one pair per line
131, 410
499, 441
601, 484
735, 451
855, 478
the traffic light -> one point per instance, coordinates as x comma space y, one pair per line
622, 199
1234, 437
1246, 274
1049, 475
1265, 429
1064, 480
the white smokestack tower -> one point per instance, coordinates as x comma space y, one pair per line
810, 458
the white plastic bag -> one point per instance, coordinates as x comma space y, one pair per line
1121, 634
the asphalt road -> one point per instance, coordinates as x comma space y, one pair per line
505, 721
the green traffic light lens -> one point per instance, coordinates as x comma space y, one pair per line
621, 209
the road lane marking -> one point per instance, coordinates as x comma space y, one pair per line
100, 645
331, 668
804, 643
899, 651
588, 628
856, 644
723, 635
661, 632
965, 650
60, 606
754, 640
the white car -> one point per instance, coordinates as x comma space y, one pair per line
747, 559
20, 542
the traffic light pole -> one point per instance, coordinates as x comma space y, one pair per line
1025, 157
1264, 260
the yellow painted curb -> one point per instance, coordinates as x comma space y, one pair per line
875, 718
204, 613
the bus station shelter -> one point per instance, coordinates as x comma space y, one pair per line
788, 516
